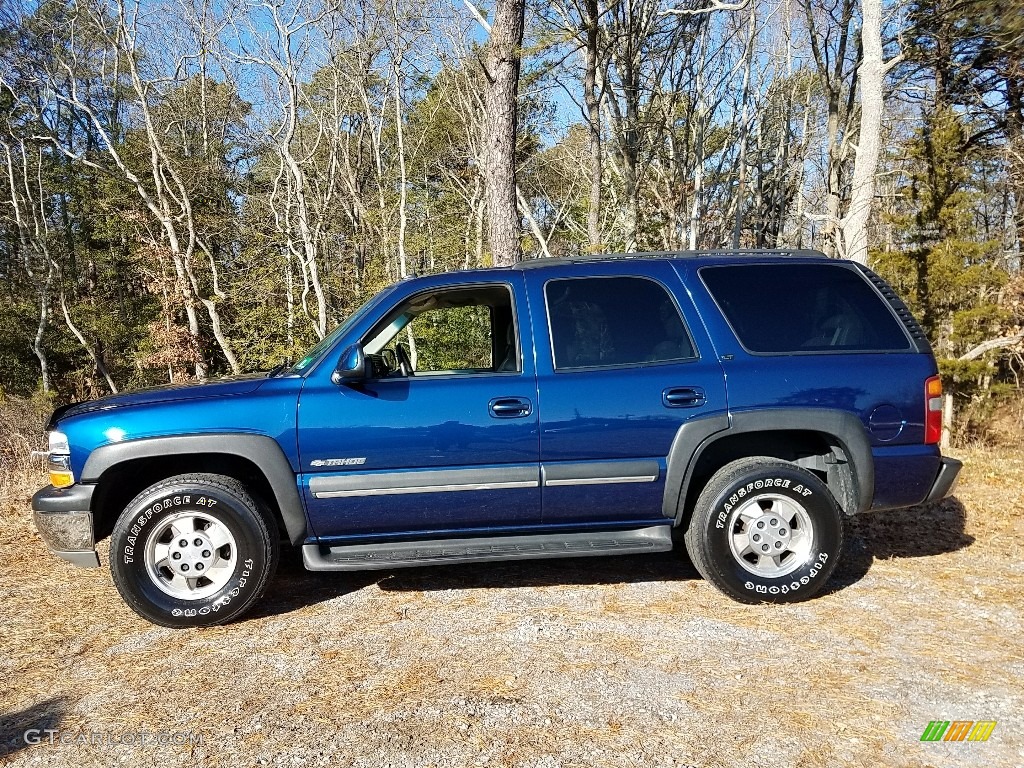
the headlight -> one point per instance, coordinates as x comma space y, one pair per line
59, 443
61, 475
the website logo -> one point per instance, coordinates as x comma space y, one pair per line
958, 730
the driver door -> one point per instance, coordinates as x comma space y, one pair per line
443, 435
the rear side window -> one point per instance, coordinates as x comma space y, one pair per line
787, 308
613, 321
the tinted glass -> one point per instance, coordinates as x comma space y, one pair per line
614, 321
464, 330
449, 339
784, 308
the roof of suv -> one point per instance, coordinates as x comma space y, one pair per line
703, 257
787, 253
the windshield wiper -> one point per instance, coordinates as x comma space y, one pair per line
277, 368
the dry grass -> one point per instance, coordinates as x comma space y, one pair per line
21, 432
617, 662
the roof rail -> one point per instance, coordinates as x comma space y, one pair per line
547, 261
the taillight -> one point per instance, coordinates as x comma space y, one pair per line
932, 410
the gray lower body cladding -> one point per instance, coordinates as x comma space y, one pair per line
380, 483
946, 480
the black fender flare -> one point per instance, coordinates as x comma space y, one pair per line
261, 450
845, 429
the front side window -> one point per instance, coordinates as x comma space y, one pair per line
793, 308
448, 331
614, 321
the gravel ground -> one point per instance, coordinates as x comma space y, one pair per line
599, 662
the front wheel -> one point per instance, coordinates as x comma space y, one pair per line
193, 550
765, 531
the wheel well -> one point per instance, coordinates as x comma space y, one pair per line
123, 482
820, 453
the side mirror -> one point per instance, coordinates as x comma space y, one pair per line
351, 367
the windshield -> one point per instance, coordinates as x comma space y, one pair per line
329, 340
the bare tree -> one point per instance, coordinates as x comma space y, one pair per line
111, 41
284, 41
24, 195
854, 226
581, 21
744, 135
592, 92
834, 47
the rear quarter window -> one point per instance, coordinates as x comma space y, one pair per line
793, 308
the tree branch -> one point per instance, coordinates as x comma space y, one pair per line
478, 16
988, 346
716, 5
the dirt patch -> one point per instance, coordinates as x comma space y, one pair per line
605, 662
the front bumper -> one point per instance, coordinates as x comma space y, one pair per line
64, 521
945, 481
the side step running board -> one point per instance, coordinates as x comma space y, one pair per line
366, 557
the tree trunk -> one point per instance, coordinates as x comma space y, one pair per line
832, 73
479, 210
97, 361
44, 317
947, 420
524, 206
872, 103
592, 97
741, 161
403, 180
289, 302
501, 62
1015, 142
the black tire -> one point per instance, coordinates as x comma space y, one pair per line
790, 512
232, 537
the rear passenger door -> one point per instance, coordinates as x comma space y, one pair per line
622, 362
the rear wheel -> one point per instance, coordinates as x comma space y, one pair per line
765, 530
193, 550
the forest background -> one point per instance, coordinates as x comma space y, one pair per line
190, 188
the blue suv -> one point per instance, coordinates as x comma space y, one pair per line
558, 408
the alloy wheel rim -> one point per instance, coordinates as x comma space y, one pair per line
770, 535
190, 555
